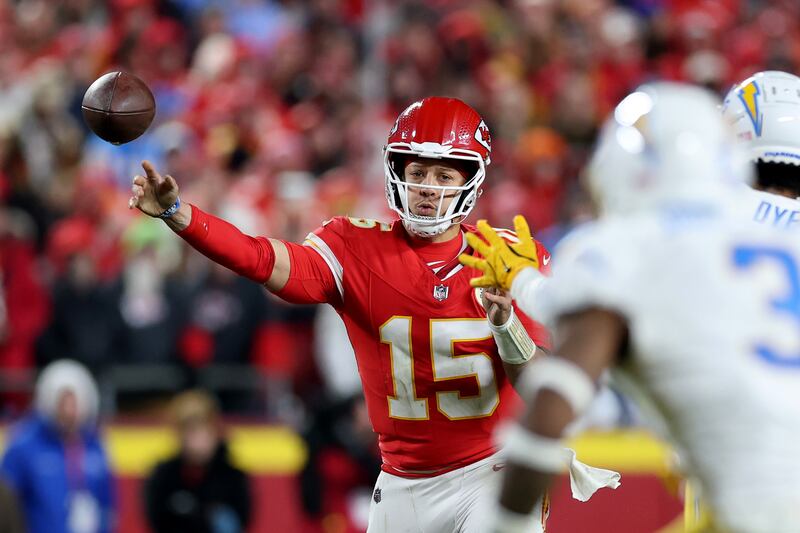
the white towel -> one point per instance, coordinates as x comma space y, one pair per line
585, 480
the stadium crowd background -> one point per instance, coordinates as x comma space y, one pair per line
272, 114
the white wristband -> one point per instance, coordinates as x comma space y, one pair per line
534, 451
514, 344
561, 376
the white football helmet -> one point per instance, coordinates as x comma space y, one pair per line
765, 112
664, 141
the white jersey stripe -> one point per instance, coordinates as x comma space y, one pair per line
316, 243
452, 272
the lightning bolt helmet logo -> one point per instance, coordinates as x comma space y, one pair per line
748, 93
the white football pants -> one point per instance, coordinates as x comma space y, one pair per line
461, 501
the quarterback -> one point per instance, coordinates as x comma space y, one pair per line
437, 358
671, 286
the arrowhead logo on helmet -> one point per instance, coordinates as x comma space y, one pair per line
483, 137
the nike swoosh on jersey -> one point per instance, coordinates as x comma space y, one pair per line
546, 259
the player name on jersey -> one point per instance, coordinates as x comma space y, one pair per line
776, 215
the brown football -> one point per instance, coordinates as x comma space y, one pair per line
118, 107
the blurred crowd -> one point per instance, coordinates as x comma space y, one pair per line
272, 114
55, 475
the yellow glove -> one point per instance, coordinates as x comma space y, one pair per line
501, 261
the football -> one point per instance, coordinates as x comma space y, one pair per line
118, 107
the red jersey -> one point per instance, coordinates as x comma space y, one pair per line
433, 380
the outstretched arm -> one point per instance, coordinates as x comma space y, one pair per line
260, 259
589, 343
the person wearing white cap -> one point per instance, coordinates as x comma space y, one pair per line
55, 461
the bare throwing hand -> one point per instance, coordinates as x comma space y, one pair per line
497, 303
152, 193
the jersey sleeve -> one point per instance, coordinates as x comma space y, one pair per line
590, 271
316, 273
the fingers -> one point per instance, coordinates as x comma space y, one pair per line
474, 262
478, 244
487, 280
522, 229
137, 192
483, 281
491, 296
499, 298
490, 234
171, 182
152, 175
498, 291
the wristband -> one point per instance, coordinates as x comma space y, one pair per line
514, 344
172, 209
534, 451
561, 376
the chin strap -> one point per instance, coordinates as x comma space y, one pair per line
427, 231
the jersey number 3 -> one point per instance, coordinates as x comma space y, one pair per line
789, 304
446, 365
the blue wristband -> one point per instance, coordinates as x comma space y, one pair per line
172, 209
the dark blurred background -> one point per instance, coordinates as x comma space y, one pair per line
272, 114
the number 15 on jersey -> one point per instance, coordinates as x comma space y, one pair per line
446, 365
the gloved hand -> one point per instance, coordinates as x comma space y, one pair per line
502, 261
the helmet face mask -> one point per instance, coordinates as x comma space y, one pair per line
463, 197
443, 129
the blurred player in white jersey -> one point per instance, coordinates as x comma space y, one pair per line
765, 112
698, 307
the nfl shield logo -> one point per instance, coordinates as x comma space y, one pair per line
377, 495
440, 292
